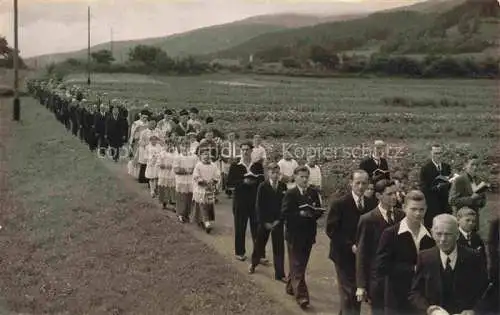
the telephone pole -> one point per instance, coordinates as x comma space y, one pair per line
88, 47
17, 104
111, 42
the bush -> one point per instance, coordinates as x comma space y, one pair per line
401, 101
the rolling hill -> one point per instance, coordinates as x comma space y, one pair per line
451, 27
200, 41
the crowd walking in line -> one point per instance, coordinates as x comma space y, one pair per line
401, 248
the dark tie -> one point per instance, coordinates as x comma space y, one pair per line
468, 238
390, 218
448, 268
360, 204
438, 166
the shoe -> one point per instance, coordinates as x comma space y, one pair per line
251, 269
303, 303
264, 262
208, 227
281, 279
241, 257
181, 219
164, 206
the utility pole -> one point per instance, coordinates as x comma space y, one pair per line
111, 42
17, 104
88, 48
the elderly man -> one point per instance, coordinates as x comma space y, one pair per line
448, 276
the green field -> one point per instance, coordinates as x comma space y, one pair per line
335, 115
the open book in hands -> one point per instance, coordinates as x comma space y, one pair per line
312, 211
379, 172
481, 188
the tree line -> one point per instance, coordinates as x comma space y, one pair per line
7, 55
324, 60
142, 59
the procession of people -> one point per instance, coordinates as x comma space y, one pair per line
402, 248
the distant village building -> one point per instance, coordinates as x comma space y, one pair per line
225, 62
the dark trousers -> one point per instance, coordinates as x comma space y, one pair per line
278, 242
241, 218
298, 257
346, 280
142, 174
115, 151
74, 128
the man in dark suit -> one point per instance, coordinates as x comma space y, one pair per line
435, 190
244, 177
448, 276
397, 254
493, 305
300, 235
376, 165
370, 228
100, 128
462, 191
116, 132
341, 225
268, 207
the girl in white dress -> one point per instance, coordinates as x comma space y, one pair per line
206, 176
183, 165
144, 138
153, 150
166, 175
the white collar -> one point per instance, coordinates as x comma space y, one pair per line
453, 257
435, 163
463, 232
384, 212
301, 190
245, 165
403, 228
356, 197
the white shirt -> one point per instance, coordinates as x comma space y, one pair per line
437, 165
287, 167
259, 153
314, 175
464, 233
357, 200
384, 213
403, 228
453, 257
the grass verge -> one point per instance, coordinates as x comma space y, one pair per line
75, 241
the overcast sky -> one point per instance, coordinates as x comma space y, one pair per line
50, 26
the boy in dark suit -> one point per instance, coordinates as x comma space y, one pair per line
468, 237
397, 254
268, 207
370, 228
300, 235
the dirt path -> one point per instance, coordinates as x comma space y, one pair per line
321, 277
